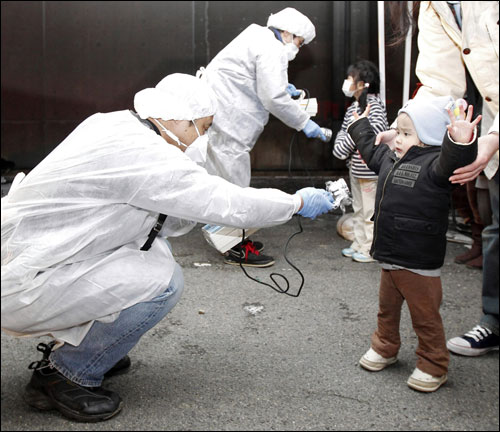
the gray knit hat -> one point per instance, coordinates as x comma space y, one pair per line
430, 118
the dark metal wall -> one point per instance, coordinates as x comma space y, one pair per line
64, 61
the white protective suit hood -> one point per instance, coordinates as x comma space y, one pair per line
291, 20
176, 97
179, 97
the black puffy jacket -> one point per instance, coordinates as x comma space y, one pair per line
413, 197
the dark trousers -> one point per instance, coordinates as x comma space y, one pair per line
490, 264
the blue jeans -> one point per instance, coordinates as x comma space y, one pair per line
490, 263
106, 343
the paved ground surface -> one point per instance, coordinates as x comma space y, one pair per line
235, 355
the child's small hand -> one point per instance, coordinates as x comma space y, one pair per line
365, 113
388, 137
462, 131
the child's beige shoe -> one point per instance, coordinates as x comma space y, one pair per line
424, 382
374, 362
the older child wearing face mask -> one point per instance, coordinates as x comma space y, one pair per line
362, 84
411, 220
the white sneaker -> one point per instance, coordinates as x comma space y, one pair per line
374, 362
362, 258
348, 252
424, 382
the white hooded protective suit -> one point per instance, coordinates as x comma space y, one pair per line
72, 229
249, 78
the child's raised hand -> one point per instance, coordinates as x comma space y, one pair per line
365, 113
462, 131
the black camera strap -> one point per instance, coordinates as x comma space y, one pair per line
154, 232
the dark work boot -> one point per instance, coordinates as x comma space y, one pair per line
49, 389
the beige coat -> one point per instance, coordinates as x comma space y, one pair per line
444, 49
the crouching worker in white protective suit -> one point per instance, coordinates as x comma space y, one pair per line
250, 80
80, 262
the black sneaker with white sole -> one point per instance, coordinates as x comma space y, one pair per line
249, 256
478, 341
48, 389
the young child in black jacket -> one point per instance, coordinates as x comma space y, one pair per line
411, 220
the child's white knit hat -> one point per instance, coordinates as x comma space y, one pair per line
430, 118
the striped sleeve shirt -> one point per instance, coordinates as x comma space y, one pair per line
344, 147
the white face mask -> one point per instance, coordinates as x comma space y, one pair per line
345, 88
197, 150
291, 50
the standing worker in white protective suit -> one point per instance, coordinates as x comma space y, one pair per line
80, 262
250, 80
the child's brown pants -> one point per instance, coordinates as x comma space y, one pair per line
423, 295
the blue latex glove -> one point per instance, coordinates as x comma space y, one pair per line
292, 91
312, 130
316, 202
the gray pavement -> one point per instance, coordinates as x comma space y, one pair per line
235, 355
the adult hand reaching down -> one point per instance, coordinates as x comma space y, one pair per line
487, 147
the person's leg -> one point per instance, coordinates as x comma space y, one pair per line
475, 252
490, 264
423, 295
484, 337
229, 158
386, 339
69, 378
368, 193
106, 343
484, 205
485, 217
357, 217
